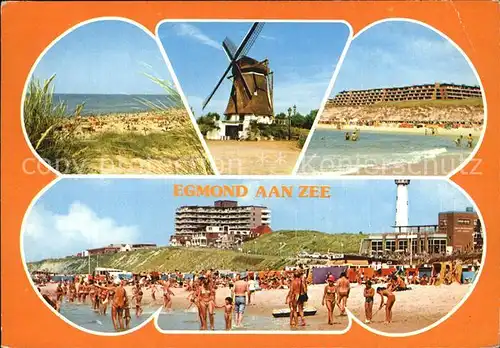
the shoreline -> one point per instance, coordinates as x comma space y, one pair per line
476, 132
415, 309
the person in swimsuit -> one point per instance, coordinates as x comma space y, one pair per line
241, 292
72, 292
138, 299
329, 297
389, 304
103, 302
369, 293
59, 292
343, 289
118, 303
92, 295
205, 296
126, 313
167, 293
292, 298
228, 312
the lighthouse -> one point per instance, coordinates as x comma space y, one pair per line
401, 204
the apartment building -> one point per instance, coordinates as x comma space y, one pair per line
224, 225
435, 91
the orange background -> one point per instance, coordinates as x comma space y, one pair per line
28, 27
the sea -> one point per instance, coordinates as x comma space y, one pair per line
84, 317
329, 152
101, 104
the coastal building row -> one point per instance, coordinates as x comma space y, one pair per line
115, 248
456, 231
223, 225
436, 91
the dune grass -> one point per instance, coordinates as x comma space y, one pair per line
43, 121
52, 133
309, 241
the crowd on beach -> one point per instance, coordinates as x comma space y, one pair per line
201, 290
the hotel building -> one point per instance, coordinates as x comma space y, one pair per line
223, 225
434, 91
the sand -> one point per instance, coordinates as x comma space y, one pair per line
476, 132
414, 309
254, 157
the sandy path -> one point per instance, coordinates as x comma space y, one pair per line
254, 157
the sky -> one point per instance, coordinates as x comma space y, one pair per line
303, 57
76, 214
401, 53
104, 57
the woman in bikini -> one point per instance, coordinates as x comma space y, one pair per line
391, 298
369, 293
343, 289
167, 293
205, 295
329, 298
72, 292
138, 299
103, 301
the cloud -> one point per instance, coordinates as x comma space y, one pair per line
190, 31
51, 235
267, 37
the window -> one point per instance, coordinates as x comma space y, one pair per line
377, 245
390, 245
402, 245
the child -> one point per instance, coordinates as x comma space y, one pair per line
228, 312
369, 293
390, 302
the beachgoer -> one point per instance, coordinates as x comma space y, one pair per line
241, 291
126, 313
138, 299
59, 292
369, 293
329, 298
251, 290
347, 136
118, 303
104, 299
228, 312
167, 293
391, 298
470, 140
206, 304
343, 290
295, 297
72, 292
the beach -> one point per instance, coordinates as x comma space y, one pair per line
254, 157
475, 131
405, 152
413, 310
160, 142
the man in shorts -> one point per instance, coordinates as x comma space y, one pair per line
241, 291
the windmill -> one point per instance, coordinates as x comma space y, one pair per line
252, 90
